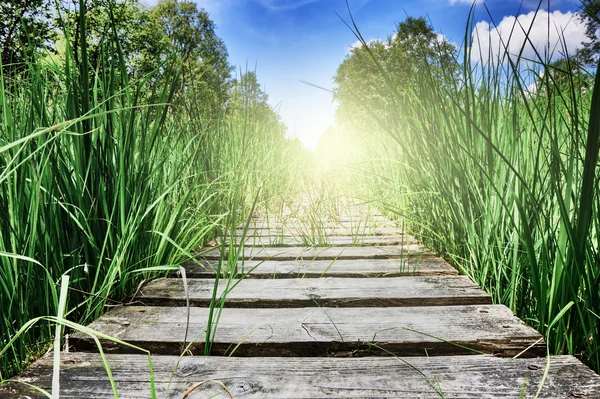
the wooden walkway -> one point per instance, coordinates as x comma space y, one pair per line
373, 315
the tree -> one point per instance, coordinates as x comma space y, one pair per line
172, 39
247, 91
25, 27
562, 80
374, 80
188, 40
359, 86
103, 19
417, 50
247, 97
590, 15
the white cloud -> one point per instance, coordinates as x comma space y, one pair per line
358, 44
441, 38
511, 33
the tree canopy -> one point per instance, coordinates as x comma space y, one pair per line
25, 26
590, 14
376, 76
184, 35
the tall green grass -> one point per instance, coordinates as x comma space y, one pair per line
504, 180
93, 184
104, 180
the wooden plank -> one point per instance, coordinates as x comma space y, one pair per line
331, 292
306, 226
339, 216
466, 377
319, 268
408, 331
337, 231
328, 253
299, 212
338, 241
306, 221
309, 220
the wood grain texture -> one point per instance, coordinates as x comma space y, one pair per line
464, 377
329, 253
298, 217
330, 292
338, 241
332, 231
413, 331
339, 268
419, 308
312, 221
323, 224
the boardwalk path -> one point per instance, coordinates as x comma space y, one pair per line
314, 323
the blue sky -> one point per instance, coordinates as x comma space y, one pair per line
288, 41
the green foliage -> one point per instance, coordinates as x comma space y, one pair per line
502, 179
85, 193
247, 91
24, 29
358, 78
416, 46
104, 180
363, 92
248, 99
172, 37
125, 17
189, 41
590, 14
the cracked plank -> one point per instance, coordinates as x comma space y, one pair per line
464, 377
436, 330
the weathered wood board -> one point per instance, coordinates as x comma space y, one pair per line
465, 377
287, 214
318, 268
327, 253
414, 331
330, 292
305, 219
320, 225
338, 241
418, 308
338, 231
333, 217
